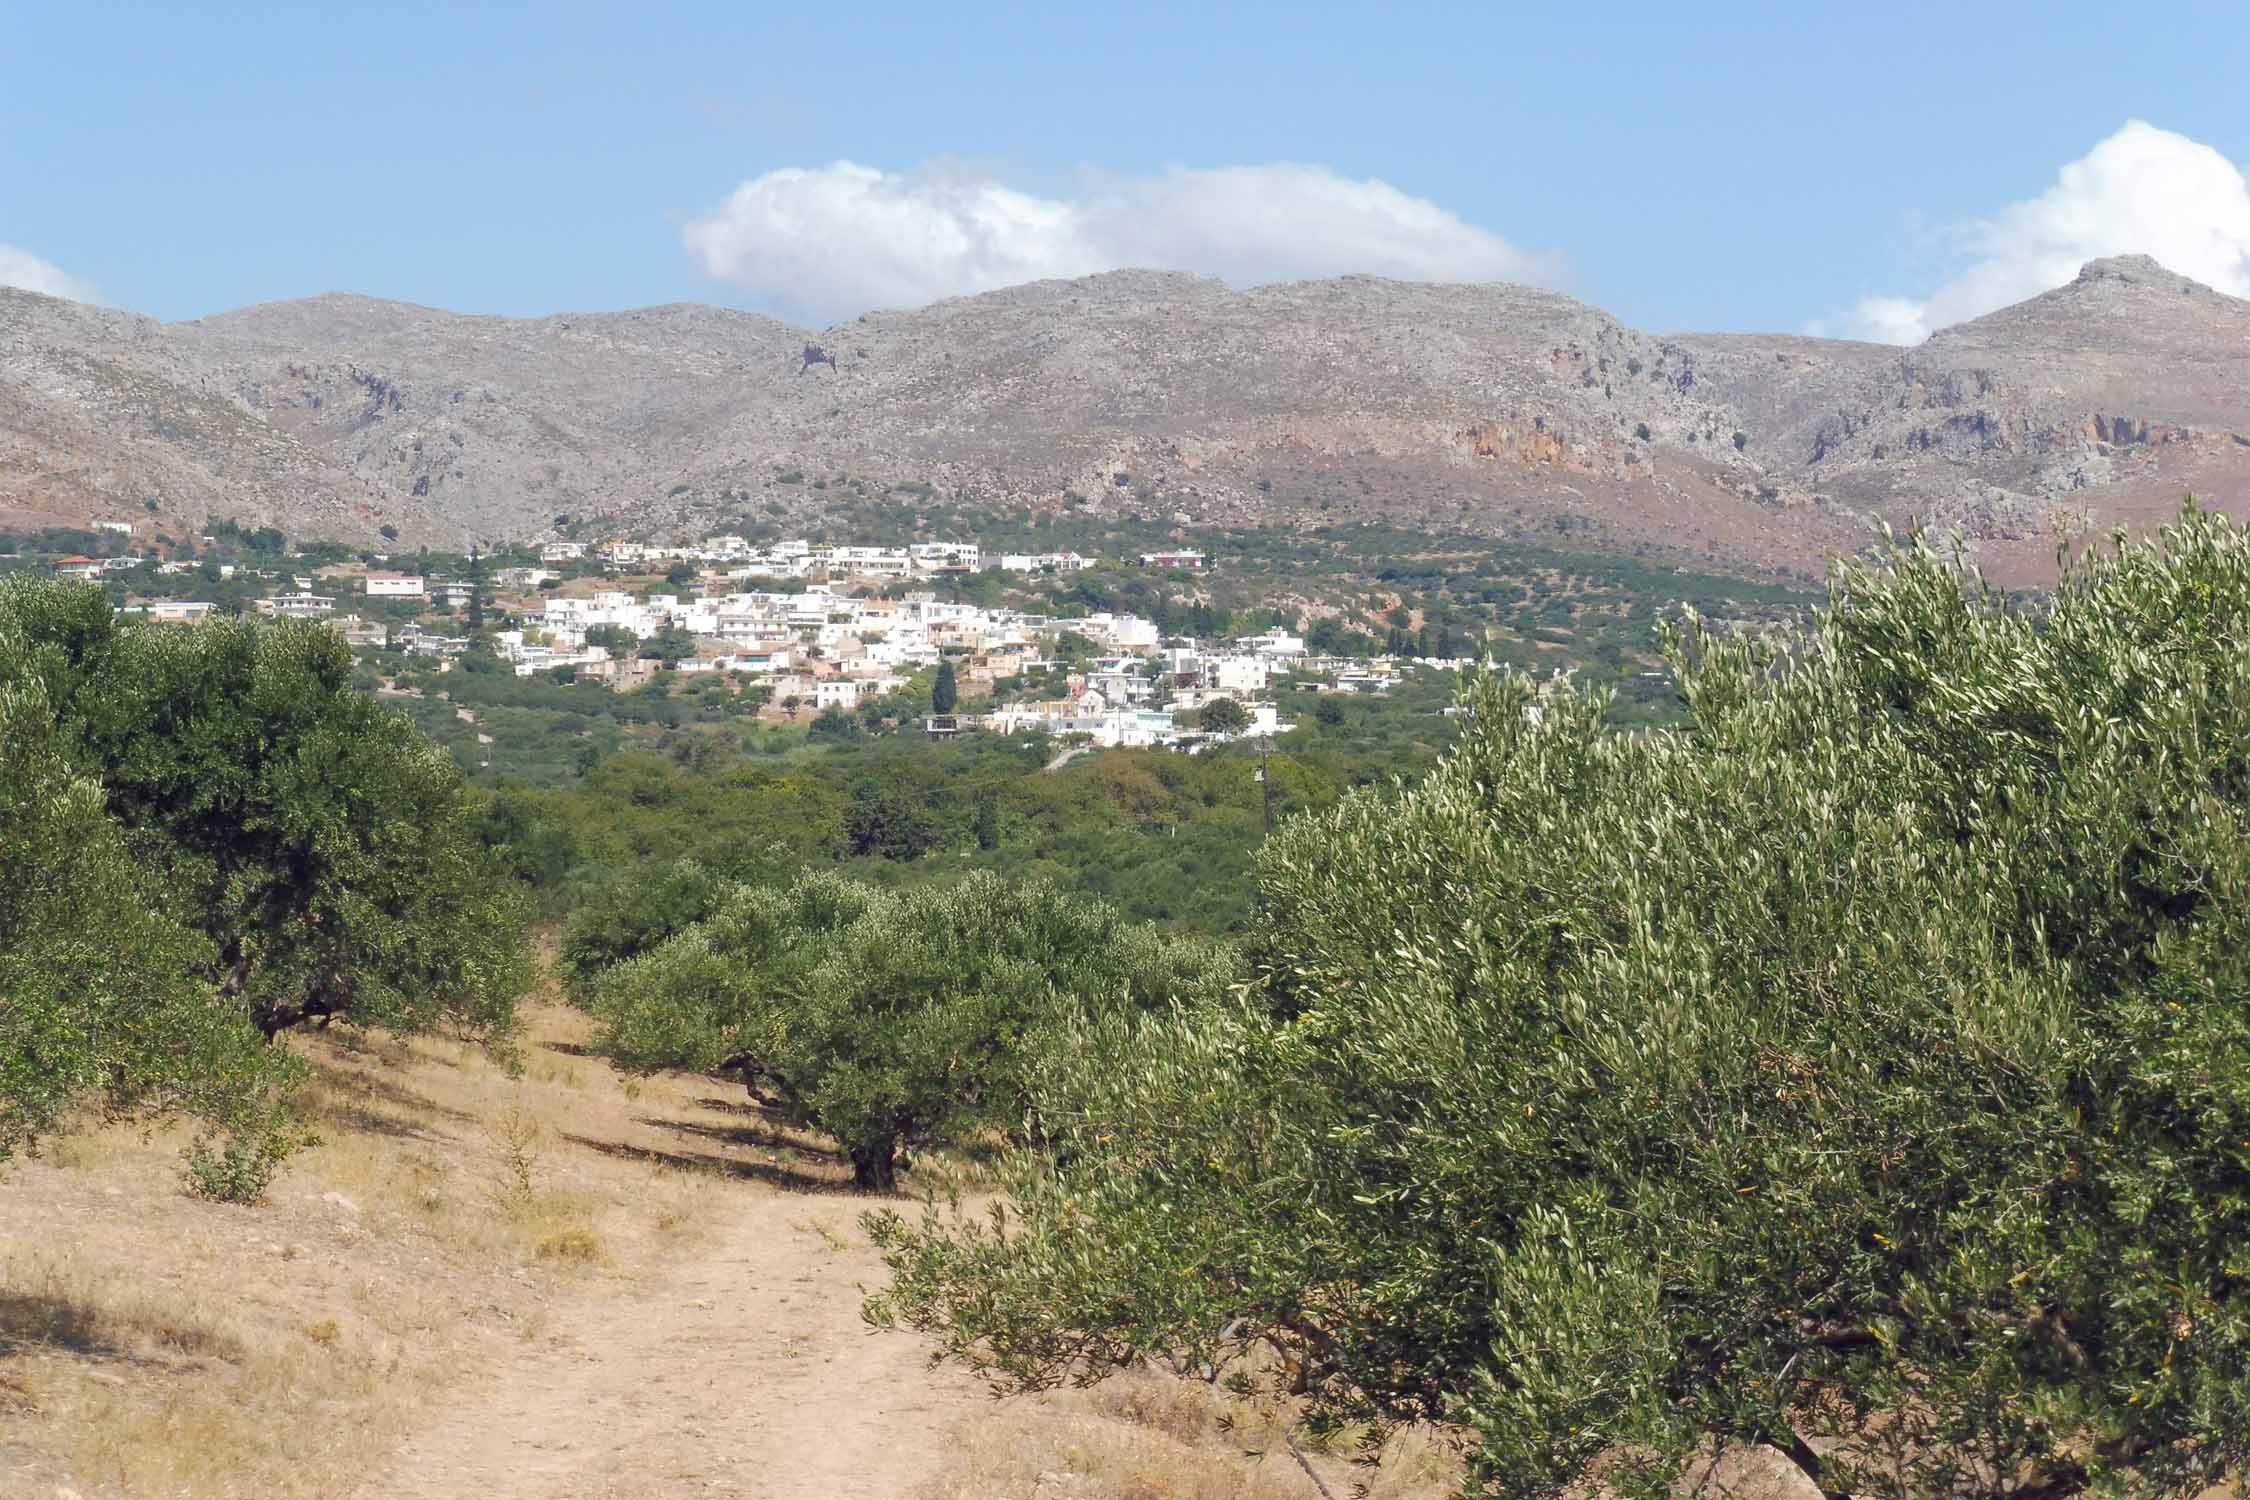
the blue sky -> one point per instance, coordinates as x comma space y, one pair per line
1862, 169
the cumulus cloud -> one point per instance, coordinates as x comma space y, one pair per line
839, 239
20, 268
2141, 191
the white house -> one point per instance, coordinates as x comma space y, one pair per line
836, 692
1040, 562
870, 562
394, 586
946, 557
1122, 632
1240, 676
297, 606
562, 552
1274, 643
172, 611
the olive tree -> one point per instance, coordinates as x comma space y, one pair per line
99, 999
1222, 716
888, 1021
1862, 1069
324, 848
625, 913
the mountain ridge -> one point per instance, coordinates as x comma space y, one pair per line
1484, 407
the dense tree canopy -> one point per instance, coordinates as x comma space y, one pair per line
1223, 716
889, 1022
1863, 1069
99, 1000
326, 852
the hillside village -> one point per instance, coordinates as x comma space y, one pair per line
812, 626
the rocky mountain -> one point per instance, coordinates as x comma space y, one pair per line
1492, 408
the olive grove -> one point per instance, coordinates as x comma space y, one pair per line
1862, 1069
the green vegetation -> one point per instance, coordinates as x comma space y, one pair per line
98, 997
890, 1022
1861, 1069
1222, 716
1831, 1037
219, 839
1166, 838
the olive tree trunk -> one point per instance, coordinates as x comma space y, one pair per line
875, 1165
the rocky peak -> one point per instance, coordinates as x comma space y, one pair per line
2136, 270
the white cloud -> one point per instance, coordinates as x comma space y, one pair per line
31, 273
836, 240
2141, 191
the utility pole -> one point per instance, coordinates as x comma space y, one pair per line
1265, 779
476, 591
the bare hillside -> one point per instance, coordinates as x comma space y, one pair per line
1494, 408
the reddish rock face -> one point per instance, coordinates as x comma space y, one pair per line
1533, 444
2123, 432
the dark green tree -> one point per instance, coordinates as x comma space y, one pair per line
944, 693
669, 646
476, 591
322, 846
890, 1022
1222, 716
892, 822
630, 912
101, 999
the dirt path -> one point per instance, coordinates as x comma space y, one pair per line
744, 1370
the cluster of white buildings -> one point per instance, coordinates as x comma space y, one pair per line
738, 557
820, 648
817, 647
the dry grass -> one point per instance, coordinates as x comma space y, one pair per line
155, 1345
1146, 1436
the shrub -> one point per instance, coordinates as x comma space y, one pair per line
239, 1170
572, 1243
1862, 1069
